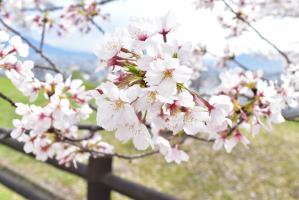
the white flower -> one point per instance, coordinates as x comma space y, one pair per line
175, 122
195, 120
185, 99
19, 129
22, 109
165, 74
39, 120
3, 36
110, 46
136, 131
220, 141
53, 82
19, 46
234, 141
140, 30
166, 24
176, 155
220, 111
116, 113
148, 101
170, 154
182, 52
205, 4
113, 106
255, 127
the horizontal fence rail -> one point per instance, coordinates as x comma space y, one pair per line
290, 113
24, 187
99, 177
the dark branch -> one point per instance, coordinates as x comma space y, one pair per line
41, 45
96, 25
9, 100
90, 127
233, 59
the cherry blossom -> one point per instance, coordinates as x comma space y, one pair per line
147, 97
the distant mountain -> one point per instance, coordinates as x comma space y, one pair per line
66, 57
67, 60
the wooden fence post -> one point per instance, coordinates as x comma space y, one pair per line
97, 168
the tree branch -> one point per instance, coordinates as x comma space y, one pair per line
96, 25
44, 67
283, 54
41, 45
9, 100
199, 138
89, 127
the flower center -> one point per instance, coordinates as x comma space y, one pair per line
168, 73
152, 97
188, 118
119, 104
142, 37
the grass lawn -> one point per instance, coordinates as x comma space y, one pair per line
268, 170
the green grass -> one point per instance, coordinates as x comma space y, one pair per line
7, 194
268, 170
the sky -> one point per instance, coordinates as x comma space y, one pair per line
198, 26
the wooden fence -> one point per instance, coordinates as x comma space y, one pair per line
98, 175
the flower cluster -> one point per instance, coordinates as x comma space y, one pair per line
18, 72
46, 129
231, 14
72, 15
20, 11
147, 98
81, 15
148, 86
257, 102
